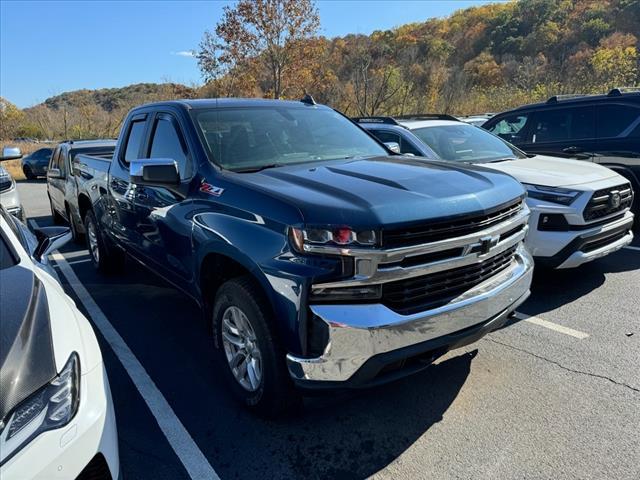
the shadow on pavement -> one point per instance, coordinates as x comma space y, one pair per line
42, 180
553, 288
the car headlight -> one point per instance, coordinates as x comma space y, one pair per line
563, 196
303, 239
51, 407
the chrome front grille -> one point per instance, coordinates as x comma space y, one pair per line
437, 289
608, 201
441, 230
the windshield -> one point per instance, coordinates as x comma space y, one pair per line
245, 139
466, 143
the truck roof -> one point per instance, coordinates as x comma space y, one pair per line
228, 103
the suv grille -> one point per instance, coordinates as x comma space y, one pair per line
437, 289
433, 232
607, 201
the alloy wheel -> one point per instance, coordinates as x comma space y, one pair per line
241, 348
92, 236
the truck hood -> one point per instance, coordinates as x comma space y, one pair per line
553, 171
384, 191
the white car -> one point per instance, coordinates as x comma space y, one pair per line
9, 197
56, 413
580, 211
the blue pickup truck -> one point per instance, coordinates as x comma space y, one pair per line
320, 258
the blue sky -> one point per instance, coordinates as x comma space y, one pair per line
49, 47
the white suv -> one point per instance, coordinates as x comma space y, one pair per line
580, 211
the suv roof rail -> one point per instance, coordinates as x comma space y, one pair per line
568, 96
376, 119
428, 116
72, 141
616, 92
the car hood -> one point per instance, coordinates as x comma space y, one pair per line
553, 171
384, 191
26, 351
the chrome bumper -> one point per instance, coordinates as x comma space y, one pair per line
360, 332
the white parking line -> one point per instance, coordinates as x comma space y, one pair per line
177, 435
552, 326
629, 247
82, 260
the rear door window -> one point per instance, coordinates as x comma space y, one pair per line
617, 121
135, 137
564, 124
168, 142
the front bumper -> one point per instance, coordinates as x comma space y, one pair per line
576, 247
364, 339
64, 453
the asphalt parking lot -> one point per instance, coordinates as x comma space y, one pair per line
554, 395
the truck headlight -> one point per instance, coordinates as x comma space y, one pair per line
303, 239
563, 196
51, 407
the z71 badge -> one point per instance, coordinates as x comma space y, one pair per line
211, 190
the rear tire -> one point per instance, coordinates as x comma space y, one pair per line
78, 237
269, 391
28, 173
105, 258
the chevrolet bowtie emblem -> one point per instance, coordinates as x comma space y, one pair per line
487, 243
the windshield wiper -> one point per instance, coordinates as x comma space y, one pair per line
257, 169
505, 159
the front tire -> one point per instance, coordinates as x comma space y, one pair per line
249, 353
104, 259
57, 218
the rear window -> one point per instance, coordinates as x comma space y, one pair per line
617, 121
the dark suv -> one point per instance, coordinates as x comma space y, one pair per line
35, 164
599, 128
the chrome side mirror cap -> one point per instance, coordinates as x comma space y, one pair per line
53, 173
393, 146
49, 240
11, 153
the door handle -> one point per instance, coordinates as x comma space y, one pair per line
572, 150
141, 196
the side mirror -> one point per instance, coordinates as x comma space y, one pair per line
50, 239
11, 153
53, 173
159, 172
393, 146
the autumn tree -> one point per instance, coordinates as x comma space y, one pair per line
10, 118
264, 37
